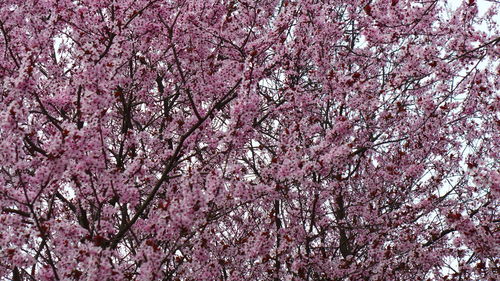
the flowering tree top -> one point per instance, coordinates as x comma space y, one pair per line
249, 140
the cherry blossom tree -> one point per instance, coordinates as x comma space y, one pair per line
249, 140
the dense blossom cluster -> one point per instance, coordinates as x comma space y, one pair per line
248, 140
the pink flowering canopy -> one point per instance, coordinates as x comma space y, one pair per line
249, 140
